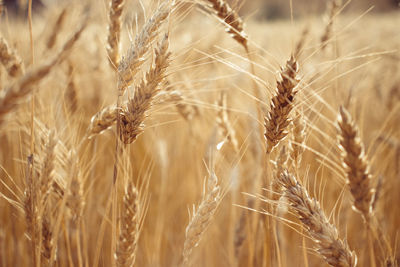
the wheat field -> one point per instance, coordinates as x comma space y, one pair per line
199, 133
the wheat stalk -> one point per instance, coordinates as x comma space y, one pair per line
328, 245
280, 167
277, 119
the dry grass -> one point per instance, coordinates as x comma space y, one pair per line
116, 164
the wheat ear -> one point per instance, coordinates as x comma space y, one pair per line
56, 28
356, 164
10, 59
30, 205
300, 44
232, 20
47, 237
133, 115
46, 173
277, 120
333, 6
328, 245
102, 120
134, 58
114, 31
178, 98
129, 228
75, 198
11, 96
298, 139
71, 93
201, 218
224, 124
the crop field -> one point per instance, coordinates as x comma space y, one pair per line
199, 133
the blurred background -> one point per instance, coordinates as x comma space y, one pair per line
259, 9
